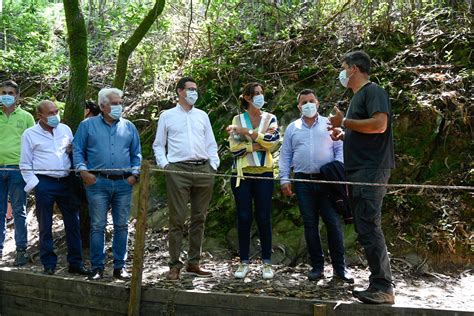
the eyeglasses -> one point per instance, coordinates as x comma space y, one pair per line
191, 89
116, 103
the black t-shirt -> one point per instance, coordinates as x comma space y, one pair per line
369, 151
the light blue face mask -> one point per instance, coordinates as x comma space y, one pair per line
54, 120
258, 101
7, 100
191, 96
116, 111
309, 109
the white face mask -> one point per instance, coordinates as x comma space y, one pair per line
309, 110
191, 96
343, 78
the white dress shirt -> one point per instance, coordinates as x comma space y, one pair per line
185, 135
42, 150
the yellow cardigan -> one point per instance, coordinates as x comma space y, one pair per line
245, 159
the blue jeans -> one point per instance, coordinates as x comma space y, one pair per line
101, 195
12, 184
258, 193
47, 192
313, 200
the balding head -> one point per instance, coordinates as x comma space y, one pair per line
45, 106
46, 109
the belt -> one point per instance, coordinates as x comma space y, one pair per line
52, 178
309, 176
113, 177
195, 162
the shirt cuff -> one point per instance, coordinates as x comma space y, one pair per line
284, 181
81, 167
30, 185
136, 170
249, 147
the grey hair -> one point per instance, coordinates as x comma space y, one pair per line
105, 92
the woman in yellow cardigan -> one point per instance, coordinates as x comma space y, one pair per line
252, 137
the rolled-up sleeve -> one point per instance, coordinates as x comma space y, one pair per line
79, 145
159, 145
338, 151
271, 138
135, 150
26, 164
211, 145
286, 157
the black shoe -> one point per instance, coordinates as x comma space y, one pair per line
344, 276
375, 296
315, 274
49, 271
96, 274
121, 274
81, 270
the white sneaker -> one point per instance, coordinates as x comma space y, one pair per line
267, 271
242, 271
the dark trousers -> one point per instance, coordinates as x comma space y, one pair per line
314, 201
258, 193
367, 207
47, 192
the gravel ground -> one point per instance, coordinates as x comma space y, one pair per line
451, 290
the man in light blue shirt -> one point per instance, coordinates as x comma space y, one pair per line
108, 141
307, 146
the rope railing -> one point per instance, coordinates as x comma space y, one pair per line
227, 175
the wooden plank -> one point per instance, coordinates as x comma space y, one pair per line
224, 300
29, 306
64, 284
153, 309
61, 297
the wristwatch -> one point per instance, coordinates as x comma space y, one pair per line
250, 132
342, 123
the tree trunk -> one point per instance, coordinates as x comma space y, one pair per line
74, 111
77, 40
129, 46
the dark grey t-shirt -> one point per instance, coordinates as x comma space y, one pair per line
369, 151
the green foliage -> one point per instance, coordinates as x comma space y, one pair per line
31, 44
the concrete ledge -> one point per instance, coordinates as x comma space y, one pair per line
26, 293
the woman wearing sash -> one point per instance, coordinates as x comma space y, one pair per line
254, 134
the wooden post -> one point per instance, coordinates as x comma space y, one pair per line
320, 310
139, 250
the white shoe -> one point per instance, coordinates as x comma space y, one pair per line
267, 271
242, 271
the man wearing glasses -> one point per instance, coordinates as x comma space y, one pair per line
185, 142
108, 141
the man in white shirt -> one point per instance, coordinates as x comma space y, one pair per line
185, 142
46, 146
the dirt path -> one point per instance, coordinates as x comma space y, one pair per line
453, 290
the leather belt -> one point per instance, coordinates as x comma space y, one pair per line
113, 177
195, 162
309, 176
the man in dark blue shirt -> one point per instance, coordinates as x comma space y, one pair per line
108, 141
368, 157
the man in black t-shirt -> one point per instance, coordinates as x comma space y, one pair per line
368, 157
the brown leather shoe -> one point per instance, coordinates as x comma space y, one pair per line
195, 269
173, 274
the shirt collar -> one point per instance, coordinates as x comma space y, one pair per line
105, 122
315, 121
14, 111
179, 106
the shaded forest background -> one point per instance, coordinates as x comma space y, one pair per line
422, 55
